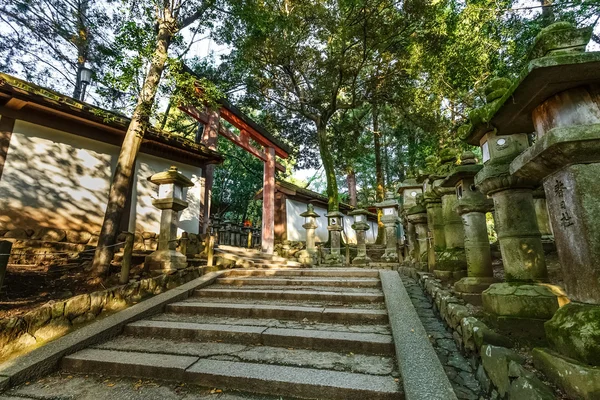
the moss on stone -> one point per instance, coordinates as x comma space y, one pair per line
575, 332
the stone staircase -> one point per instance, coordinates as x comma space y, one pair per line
293, 333
251, 258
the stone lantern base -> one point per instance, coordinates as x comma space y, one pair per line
470, 288
165, 261
361, 260
305, 257
522, 308
450, 264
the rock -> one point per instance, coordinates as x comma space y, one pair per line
578, 380
78, 237
50, 235
3, 232
475, 331
55, 328
149, 235
483, 379
575, 332
495, 361
76, 306
16, 234
98, 301
87, 317
523, 300
94, 239
530, 389
37, 318
58, 309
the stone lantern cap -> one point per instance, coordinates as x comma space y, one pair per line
467, 169
310, 212
359, 211
388, 202
335, 213
558, 64
172, 175
407, 184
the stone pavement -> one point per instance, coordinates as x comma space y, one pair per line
458, 369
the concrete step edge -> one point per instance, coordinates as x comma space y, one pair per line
291, 295
250, 377
313, 339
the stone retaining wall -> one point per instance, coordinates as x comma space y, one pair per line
57, 318
499, 369
51, 245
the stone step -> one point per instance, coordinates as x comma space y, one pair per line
325, 314
330, 340
337, 273
346, 282
308, 383
301, 295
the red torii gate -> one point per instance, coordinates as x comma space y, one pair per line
248, 130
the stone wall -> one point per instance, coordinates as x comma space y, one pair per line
499, 368
57, 318
52, 245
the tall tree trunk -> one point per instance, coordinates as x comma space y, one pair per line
82, 42
119, 189
380, 184
328, 166
351, 180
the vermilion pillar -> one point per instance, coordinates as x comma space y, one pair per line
209, 138
268, 216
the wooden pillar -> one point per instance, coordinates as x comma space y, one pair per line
209, 138
280, 217
7, 125
268, 216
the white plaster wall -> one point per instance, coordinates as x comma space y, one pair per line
55, 179
295, 231
144, 216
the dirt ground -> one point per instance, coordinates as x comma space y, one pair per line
27, 286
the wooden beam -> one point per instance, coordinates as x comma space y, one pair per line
243, 126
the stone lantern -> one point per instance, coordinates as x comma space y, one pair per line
360, 225
524, 302
255, 236
433, 205
559, 98
170, 201
334, 219
310, 224
472, 207
417, 218
216, 228
389, 217
408, 191
450, 261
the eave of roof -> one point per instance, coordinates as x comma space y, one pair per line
12, 88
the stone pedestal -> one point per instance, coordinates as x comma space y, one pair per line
435, 227
409, 190
566, 157
451, 262
541, 213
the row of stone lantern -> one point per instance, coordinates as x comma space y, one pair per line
558, 98
229, 233
333, 257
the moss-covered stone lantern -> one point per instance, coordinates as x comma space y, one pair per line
389, 217
472, 206
171, 201
433, 205
450, 262
308, 256
525, 301
417, 218
558, 96
408, 190
361, 226
335, 227
216, 228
